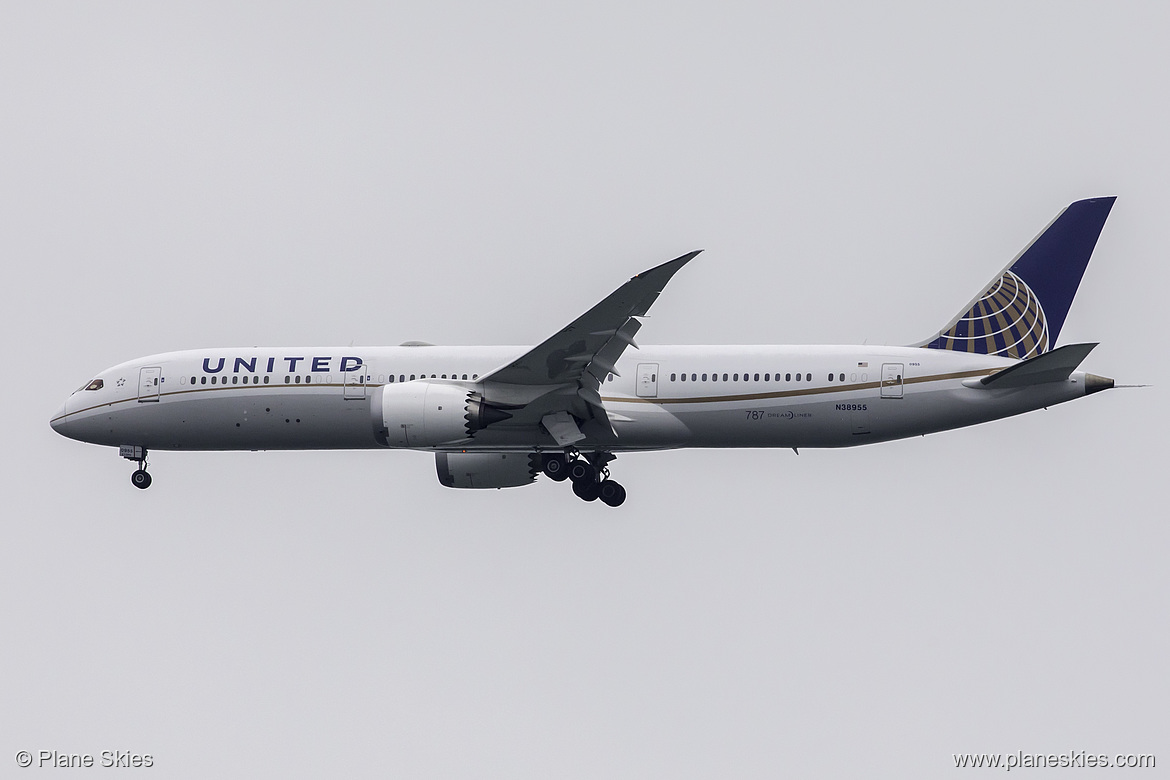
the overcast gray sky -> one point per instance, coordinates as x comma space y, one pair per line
217, 174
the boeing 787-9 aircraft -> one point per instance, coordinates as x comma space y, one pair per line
499, 416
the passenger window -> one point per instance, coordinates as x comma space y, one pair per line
725, 377
830, 377
841, 378
735, 377
235, 380
266, 379
465, 376
673, 377
788, 377
684, 377
757, 378
287, 379
808, 377
704, 377
308, 379
391, 379
693, 378
192, 380
798, 377
412, 377
402, 377
767, 377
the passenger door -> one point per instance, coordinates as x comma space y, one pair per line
354, 384
647, 380
892, 380
149, 384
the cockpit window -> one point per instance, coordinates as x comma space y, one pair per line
96, 384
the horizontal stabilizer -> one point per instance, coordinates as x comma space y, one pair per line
1054, 366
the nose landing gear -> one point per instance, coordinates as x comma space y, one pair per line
589, 474
139, 479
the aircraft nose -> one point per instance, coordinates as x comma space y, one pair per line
58, 419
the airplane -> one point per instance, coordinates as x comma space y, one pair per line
500, 416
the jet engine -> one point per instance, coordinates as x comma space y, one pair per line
429, 414
486, 469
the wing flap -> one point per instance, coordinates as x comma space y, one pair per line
563, 428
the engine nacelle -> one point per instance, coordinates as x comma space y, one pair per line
429, 414
486, 469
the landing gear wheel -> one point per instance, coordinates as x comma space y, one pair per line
586, 491
611, 493
555, 466
582, 471
140, 479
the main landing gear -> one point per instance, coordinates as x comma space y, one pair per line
589, 474
139, 479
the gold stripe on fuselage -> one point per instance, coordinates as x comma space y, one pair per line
708, 399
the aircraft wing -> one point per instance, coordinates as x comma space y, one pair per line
571, 364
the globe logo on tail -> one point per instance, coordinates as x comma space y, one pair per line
1007, 321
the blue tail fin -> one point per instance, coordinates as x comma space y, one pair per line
1021, 312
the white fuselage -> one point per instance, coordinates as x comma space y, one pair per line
658, 398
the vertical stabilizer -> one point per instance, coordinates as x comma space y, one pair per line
1022, 311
